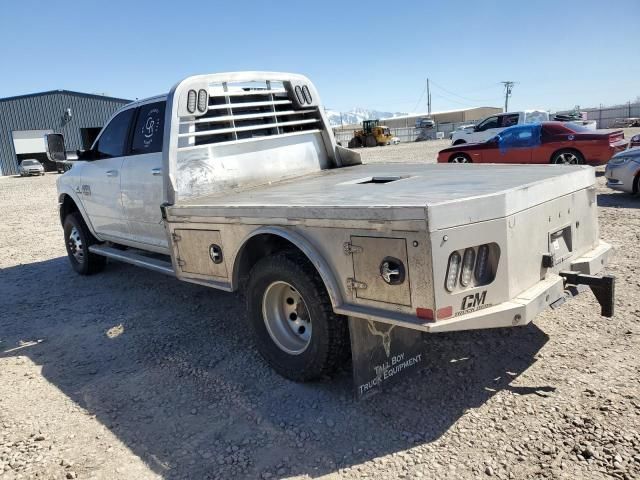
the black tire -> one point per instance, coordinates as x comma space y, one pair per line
460, 158
328, 346
459, 142
564, 157
370, 141
82, 260
355, 142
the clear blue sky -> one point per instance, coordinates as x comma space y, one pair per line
359, 53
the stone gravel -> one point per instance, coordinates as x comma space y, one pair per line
131, 374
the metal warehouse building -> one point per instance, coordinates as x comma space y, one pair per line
448, 116
25, 119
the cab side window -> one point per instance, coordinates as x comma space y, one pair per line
149, 129
113, 139
491, 122
509, 120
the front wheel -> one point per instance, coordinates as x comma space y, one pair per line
567, 157
77, 239
294, 326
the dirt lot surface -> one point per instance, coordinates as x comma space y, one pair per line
133, 375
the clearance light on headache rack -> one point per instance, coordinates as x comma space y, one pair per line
203, 100
468, 260
307, 94
191, 101
453, 269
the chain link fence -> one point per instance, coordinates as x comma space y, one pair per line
606, 116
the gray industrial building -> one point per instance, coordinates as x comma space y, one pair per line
25, 119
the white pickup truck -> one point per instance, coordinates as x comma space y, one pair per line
234, 181
491, 126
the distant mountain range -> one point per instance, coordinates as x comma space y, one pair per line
357, 115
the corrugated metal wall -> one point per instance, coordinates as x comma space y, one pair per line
47, 111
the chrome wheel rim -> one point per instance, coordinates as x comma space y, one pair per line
460, 159
286, 317
75, 245
567, 158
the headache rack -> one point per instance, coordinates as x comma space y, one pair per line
247, 110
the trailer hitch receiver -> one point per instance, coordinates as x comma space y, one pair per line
603, 288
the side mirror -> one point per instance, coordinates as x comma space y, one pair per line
54, 143
476, 128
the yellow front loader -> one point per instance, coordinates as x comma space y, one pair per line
372, 134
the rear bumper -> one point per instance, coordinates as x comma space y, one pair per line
527, 305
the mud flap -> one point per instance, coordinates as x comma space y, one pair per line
382, 354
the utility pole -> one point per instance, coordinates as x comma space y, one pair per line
508, 86
428, 99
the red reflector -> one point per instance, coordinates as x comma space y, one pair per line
424, 313
445, 312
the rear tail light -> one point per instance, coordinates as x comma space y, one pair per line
453, 269
472, 267
468, 260
481, 264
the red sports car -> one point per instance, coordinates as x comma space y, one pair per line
545, 142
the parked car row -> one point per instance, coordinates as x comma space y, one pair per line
544, 142
552, 142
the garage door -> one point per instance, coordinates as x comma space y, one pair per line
29, 141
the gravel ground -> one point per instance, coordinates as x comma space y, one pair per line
131, 374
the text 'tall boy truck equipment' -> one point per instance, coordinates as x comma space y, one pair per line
235, 181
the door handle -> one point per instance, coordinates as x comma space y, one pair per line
156, 171
112, 173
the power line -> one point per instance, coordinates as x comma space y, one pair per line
459, 96
421, 95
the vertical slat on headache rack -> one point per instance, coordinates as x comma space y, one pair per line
273, 108
227, 99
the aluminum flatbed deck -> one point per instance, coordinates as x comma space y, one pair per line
399, 192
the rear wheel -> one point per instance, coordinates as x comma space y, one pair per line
459, 158
78, 239
567, 157
294, 326
370, 141
459, 142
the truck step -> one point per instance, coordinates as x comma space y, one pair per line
138, 259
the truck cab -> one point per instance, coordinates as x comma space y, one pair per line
119, 182
490, 126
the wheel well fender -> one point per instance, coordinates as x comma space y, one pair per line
456, 154
68, 204
268, 240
